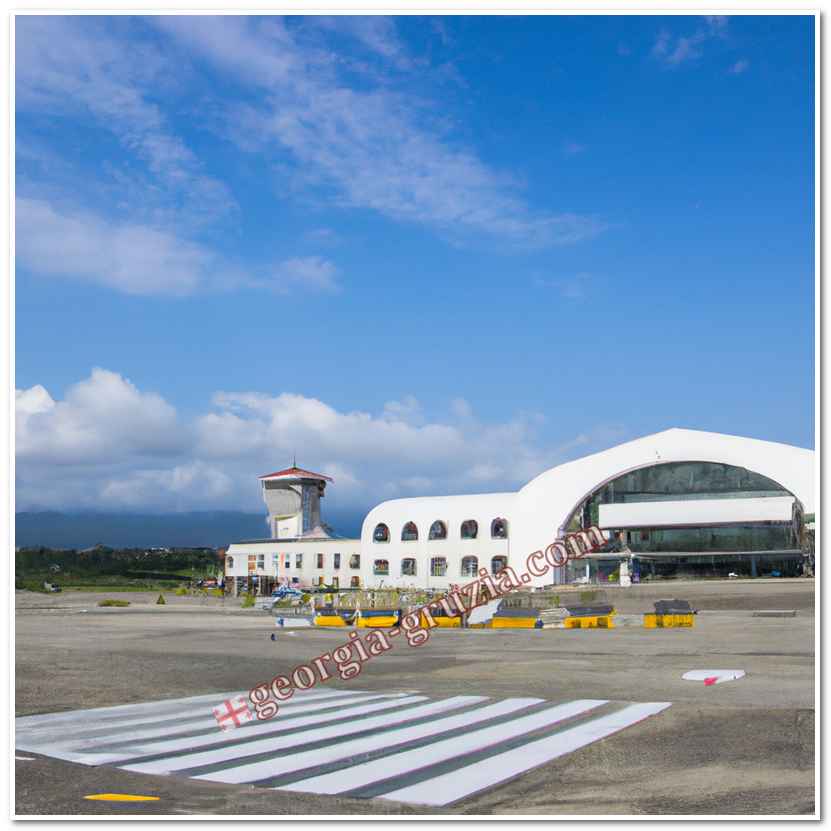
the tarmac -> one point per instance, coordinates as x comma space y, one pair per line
742, 747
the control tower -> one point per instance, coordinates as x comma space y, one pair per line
292, 497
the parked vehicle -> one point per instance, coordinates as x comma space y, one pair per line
286, 593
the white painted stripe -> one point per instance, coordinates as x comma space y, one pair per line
158, 743
278, 743
156, 711
209, 723
60, 743
345, 750
420, 757
449, 787
124, 710
275, 728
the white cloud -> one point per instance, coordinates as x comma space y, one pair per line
177, 488
376, 32
101, 418
107, 444
364, 147
408, 411
132, 258
68, 65
673, 52
138, 259
460, 407
739, 66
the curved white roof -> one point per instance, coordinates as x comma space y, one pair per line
546, 503
538, 512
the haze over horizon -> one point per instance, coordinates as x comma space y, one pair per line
425, 255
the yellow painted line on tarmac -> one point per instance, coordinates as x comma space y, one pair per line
121, 797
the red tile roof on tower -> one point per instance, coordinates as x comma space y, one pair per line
295, 473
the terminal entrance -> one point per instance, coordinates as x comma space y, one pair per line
692, 520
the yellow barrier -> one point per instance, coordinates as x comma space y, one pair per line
653, 621
590, 622
443, 622
329, 620
376, 622
513, 622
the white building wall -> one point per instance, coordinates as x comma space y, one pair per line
424, 511
275, 555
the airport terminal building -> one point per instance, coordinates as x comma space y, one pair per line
676, 503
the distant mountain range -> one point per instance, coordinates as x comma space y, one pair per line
121, 530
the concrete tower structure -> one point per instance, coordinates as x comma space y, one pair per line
292, 497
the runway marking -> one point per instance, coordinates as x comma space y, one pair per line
450, 787
382, 739
186, 718
420, 757
121, 797
401, 746
25, 758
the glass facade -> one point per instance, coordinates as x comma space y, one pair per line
686, 480
757, 537
679, 481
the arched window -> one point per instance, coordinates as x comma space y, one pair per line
408, 567
438, 531
498, 564
438, 566
470, 528
499, 529
409, 532
381, 533
229, 562
470, 566
381, 567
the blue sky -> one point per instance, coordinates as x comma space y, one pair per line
429, 255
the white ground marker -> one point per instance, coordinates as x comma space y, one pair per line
713, 676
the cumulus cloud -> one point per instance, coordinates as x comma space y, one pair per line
102, 418
107, 444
